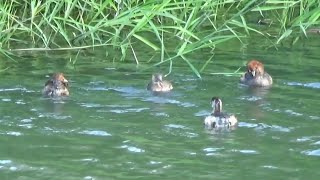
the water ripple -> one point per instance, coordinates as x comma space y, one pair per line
98, 89
202, 113
160, 114
12, 89
309, 85
13, 133
89, 178
129, 91
248, 125
161, 100
246, 151
260, 126
20, 102
130, 110
10, 165
132, 149
291, 112
177, 129
91, 105
312, 152
250, 98
176, 126
54, 116
311, 139
2, 162
89, 160
270, 167
212, 151
95, 133
314, 117
155, 162
274, 127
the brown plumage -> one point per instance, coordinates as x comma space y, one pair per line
255, 75
56, 86
157, 84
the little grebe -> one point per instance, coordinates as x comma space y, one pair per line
255, 75
157, 84
218, 119
56, 86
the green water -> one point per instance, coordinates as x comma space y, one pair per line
112, 128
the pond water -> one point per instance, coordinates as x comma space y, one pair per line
111, 127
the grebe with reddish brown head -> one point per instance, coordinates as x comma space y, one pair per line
255, 75
157, 84
219, 119
56, 86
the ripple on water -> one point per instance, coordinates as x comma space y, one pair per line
57, 130
132, 149
129, 91
12, 133
246, 151
159, 167
26, 123
162, 100
304, 139
89, 178
202, 113
261, 126
11, 166
248, 125
314, 117
250, 98
89, 160
155, 162
270, 167
312, 139
212, 151
177, 129
176, 126
95, 133
291, 112
163, 114
99, 88
309, 85
53, 116
20, 102
312, 152
91, 105
12, 89
128, 110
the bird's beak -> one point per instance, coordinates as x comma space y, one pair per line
253, 73
66, 82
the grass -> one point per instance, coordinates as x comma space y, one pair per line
33, 25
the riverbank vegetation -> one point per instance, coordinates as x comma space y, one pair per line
34, 25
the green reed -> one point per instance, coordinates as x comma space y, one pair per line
34, 25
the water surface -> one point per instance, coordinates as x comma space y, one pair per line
112, 128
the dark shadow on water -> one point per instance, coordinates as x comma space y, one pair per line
260, 92
55, 105
257, 97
